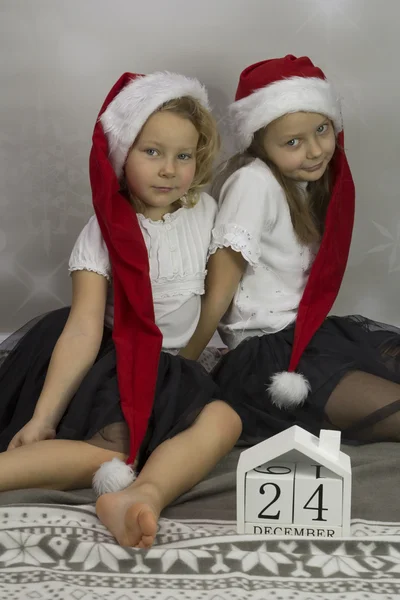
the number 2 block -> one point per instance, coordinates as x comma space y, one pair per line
317, 496
269, 493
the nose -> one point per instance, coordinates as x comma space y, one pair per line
314, 150
167, 168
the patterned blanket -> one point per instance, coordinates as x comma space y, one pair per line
60, 552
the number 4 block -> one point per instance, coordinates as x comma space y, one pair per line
317, 496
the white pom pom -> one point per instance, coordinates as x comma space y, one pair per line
288, 390
113, 476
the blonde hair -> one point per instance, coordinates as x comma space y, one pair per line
207, 148
308, 218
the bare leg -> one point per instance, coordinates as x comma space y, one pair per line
360, 394
52, 464
173, 468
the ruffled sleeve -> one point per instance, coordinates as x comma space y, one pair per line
245, 213
90, 251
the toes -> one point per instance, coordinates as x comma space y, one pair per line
147, 541
140, 526
132, 526
147, 524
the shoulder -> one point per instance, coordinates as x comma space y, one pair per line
251, 198
92, 228
207, 203
91, 235
256, 176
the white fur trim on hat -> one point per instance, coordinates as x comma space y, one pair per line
288, 390
113, 476
308, 94
129, 110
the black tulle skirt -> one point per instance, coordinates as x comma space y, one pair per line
183, 388
341, 345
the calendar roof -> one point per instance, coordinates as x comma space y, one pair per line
294, 444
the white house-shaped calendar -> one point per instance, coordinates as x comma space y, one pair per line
295, 484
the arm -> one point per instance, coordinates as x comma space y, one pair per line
225, 270
241, 220
77, 347
73, 355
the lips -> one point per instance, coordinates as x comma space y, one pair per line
163, 189
315, 168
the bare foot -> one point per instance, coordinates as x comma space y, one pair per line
131, 515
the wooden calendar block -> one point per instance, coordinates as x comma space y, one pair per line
269, 493
292, 530
318, 496
311, 504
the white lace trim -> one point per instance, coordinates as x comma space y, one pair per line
237, 238
178, 279
181, 292
90, 269
167, 218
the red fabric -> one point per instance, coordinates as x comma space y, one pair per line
327, 272
329, 266
137, 338
265, 72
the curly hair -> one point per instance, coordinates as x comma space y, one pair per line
207, 147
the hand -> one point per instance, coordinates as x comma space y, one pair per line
35, 430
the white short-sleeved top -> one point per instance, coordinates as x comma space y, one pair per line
177, 246
254, 219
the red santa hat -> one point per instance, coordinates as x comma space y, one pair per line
137, 339
268, 90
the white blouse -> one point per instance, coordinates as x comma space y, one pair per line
177, 246
254, 219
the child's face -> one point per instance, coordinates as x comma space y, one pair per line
301, 145
162, 162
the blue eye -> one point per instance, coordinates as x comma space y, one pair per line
184, 156
151, 152
293, 143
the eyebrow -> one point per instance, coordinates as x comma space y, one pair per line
291, 136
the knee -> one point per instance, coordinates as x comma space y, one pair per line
225, 419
